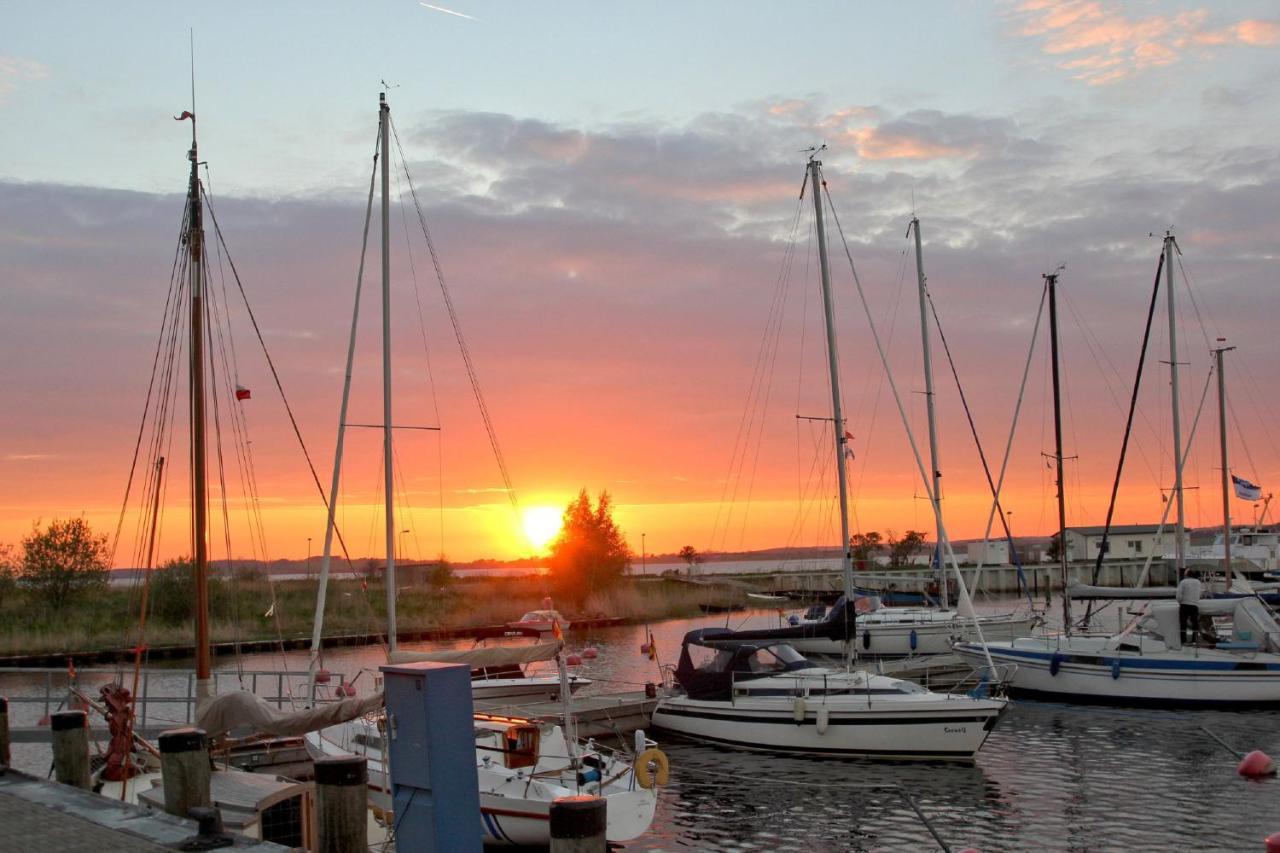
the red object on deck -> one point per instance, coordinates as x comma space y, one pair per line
1255, 765
573, 660
590, 653
1273, 842
347, 689
322, 676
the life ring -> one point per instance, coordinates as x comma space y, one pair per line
661, 772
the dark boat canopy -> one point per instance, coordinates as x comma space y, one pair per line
838, 625
712, 659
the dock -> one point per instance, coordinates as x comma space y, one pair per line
42, 815
607, 715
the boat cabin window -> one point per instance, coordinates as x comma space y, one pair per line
520, 746
367, 741
708, 659
285, 823
772, 659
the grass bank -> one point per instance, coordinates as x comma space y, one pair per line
243, 611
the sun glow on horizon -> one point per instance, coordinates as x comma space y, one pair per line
541, 525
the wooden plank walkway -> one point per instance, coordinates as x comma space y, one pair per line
40, 815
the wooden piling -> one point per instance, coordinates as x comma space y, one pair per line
71, 748
4, 734
184, 770
578, 825
342, 783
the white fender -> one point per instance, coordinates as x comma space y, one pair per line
824, 719
798, 709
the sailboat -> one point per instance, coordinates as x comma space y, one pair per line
1148, 663
522, 764
754, 690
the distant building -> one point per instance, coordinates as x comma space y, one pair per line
994, 552
1125, 542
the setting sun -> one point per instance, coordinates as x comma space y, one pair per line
541, 524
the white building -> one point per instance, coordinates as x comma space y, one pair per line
994, 552
1125, 542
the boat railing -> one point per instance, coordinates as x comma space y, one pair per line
984, 680
166, 697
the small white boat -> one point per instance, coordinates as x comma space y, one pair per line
766, 696
895, 632
522, 766
504, 671
543, 621
1149, 665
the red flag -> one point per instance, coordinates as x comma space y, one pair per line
848, 436
555, 629
242, 393
653, 647
185, 115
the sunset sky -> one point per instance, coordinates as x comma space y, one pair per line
611, 188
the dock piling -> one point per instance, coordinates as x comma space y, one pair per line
71, 748
341, 794
578, 825
4, 735
184, 770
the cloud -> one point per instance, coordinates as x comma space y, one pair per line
14, 70
1101, 42
28, 457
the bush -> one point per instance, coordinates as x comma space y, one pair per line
173, 592
63, 562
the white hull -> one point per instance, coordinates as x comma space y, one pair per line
1190, 677
888, 633
542, 688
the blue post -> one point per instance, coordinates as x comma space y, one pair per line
434, 790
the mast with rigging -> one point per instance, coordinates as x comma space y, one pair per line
935, 473
1051, 281
1179, 546
1226, 476
837, 414
388, 482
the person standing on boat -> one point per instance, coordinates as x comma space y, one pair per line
1189, 605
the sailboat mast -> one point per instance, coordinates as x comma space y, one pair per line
837, 414
388, 485
1179, 550
199, 478
935, 473
1052, 281
1226, 493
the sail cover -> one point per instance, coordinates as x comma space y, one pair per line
243, 710
483, 658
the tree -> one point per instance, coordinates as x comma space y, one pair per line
900, 550
63, 561
173, 591
691, 556
8, 573
590, 552
864, 546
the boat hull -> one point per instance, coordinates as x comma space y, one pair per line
934, 637
1207, 679
953, 729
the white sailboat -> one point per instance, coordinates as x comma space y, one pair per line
753, 690
522, 765
1148, 664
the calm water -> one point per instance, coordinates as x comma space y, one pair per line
1051, 777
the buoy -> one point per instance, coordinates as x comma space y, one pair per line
323, 676
824, 720
347, 689
590, 653
1273, 842
574, 660
1256, 765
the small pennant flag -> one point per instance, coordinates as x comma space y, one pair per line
185, 115
555, 629
1245, 490
848, 449
242, 393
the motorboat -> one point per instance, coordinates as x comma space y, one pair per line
763, 695
1149, 664
544, 621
